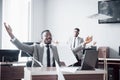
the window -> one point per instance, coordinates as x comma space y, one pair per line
17, 14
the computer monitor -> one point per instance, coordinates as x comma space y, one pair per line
90, 60
9, 55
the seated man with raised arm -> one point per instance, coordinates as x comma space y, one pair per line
46, 53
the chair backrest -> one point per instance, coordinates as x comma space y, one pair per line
103, 52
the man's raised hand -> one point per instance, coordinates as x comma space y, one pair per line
9, 30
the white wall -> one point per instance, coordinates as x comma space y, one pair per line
37, 19
64, 15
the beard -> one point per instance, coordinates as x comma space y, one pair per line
48, 41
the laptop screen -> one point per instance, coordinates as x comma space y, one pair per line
90, 60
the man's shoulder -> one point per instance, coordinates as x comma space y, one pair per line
43, 45
79, 37
53, 45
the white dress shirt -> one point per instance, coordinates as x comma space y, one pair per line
45, 56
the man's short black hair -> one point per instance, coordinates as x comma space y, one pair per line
44, 32
77, 29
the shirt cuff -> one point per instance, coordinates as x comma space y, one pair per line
13, 39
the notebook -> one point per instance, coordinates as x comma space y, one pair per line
90, 60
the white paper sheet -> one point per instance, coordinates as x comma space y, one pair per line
68, 69
66, 55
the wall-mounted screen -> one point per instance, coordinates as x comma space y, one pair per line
110, 8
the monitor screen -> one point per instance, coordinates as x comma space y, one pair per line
109, 8
9, 55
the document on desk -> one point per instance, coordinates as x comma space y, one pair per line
66, 55
68, 69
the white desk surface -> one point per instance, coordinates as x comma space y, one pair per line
110, 59
52, 71
22, 63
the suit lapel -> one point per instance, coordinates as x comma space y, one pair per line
40, 50
54, 51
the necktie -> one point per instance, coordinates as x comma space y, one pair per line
48, 55
74, 43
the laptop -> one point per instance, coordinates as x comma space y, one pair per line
90, 60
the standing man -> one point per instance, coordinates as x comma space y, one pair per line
45, 52
77, 44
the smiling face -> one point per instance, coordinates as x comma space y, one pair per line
47, 37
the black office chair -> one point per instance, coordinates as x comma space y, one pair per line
29, 63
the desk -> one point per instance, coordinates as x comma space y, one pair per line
10, 72
51, 74
112, 63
